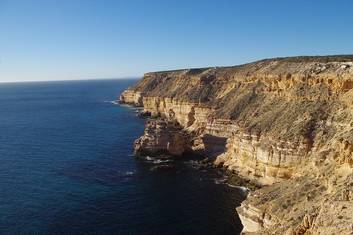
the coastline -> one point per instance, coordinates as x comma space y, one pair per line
273, 147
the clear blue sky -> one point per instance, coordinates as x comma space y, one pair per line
71, 39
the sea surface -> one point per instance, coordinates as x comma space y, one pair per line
66, 167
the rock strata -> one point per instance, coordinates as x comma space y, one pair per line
285, 123
161, 137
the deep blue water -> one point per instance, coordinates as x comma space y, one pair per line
66, 167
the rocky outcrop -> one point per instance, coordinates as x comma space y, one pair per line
262, 160
131, 97
277, 122
162, 137
310, 204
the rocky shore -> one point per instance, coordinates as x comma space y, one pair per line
285, 124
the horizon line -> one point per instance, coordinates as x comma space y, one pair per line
73, 80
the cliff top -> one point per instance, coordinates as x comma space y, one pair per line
293, 59
176, 83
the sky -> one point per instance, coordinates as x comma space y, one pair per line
90, 39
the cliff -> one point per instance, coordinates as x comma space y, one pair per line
286, 123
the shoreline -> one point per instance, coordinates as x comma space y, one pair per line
276, 123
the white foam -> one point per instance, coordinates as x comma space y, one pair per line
160, 161
242, 188
233, 186
157, 161
128, 173
220, 180
115, 102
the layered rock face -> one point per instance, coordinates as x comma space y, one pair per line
273, 121
162, 137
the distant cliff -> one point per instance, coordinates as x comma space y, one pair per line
286, 123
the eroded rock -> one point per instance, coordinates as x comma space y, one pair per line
286, 123
162, 137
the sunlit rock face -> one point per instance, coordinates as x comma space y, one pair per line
271, 121
131, 97
161, 137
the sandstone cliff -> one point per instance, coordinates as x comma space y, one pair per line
286, 123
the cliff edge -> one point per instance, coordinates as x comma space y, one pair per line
285, 123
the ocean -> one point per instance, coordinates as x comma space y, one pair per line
66, 167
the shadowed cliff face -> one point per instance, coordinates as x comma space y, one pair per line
282, 119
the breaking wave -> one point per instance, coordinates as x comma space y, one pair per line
115, 102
